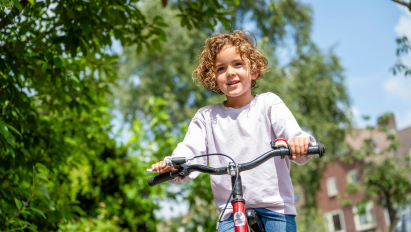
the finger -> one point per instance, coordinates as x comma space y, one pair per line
297, 148
292, 147
162, 164
302, 148
293, 157
306, 144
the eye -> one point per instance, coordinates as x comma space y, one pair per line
238, 64
220, 69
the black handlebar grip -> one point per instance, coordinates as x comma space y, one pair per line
317, 149
159, 179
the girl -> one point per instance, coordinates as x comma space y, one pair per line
242, 127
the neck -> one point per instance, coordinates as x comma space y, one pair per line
238, 102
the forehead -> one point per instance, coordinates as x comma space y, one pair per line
227, 53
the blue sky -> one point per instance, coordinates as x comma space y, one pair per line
363, 33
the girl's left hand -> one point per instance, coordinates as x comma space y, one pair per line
299, 147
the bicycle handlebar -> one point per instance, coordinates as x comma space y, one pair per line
318, 149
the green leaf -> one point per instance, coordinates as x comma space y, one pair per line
49, 56
76, 83
118, 7
157, 19
79, 210
58, 39
157, 45
44, 191
225, 22
18, 5
31, 2
38, 211
139, 48
57, 61
13, 129
19, 204
149, 48
4, 130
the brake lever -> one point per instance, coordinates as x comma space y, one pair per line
175, 162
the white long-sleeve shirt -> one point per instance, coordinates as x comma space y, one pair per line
245, 134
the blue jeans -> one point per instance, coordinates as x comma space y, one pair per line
273, 222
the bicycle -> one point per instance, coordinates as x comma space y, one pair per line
253, 221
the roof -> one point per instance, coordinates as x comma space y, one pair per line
356, 137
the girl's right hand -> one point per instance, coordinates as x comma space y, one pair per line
160, 168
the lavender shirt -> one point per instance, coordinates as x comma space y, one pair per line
245, 134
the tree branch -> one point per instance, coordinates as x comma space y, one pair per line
6, 19
22, 208
403, 3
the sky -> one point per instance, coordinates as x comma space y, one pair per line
363, 33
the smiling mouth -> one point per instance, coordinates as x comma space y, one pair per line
233, 82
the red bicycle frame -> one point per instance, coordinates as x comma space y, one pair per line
238, 202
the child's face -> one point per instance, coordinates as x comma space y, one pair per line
233, 76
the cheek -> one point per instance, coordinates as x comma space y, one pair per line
219, 79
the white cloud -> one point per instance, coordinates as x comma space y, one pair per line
403, 26
399, 87
404, 121
355, 112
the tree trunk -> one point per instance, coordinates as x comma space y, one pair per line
394, 224
393, 217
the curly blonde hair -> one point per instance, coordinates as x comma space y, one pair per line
205, 73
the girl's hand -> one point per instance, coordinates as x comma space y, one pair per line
299, 147
160, 168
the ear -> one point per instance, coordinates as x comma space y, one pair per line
216, 86
255, 74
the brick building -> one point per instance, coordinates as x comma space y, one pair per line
340, 218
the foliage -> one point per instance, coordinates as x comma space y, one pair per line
385, 177
310, 82
58, 164
403, 47
6, 4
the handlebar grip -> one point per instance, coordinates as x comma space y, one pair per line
317, 149
160, 178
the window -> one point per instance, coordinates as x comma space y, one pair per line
332, 187
352, 176
334, 221
376, 148
364, 221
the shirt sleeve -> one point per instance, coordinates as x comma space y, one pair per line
285, 126
194, 144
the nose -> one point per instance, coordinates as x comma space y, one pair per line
230, 71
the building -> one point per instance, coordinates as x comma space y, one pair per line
340, 217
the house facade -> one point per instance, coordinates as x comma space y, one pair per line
340, 215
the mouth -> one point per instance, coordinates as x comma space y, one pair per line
233, 82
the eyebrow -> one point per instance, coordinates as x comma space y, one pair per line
236, 60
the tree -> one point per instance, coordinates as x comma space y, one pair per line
385, 176
403, 47
58, 163
311, 83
